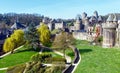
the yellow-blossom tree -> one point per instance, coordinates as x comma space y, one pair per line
18, 37
44, 34
9, 45
14, 41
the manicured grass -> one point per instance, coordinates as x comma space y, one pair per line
56, 55
21, 56
2, 71
53, 54
95, 59
70, 53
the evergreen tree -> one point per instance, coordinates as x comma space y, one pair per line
31, 36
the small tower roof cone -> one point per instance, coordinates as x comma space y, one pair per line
110, 18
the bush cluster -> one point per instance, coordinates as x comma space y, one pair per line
40, 57
35, 67
55, 59
16, 69
99, 39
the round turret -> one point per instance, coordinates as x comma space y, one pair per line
109, 23
109, 31
78, 19
84, 15
78, 22
119, 24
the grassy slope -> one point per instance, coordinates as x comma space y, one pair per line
53, 54
21, 56
2, 71
70, 53
98, 60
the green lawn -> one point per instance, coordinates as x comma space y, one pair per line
20, 56
95, 59
70, 53
56, 55
2, 71
53, 54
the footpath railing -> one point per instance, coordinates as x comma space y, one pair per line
71, 68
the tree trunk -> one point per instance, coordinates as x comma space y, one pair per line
12, 51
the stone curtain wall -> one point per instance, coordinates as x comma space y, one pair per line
80, 35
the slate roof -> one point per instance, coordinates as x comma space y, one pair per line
100, 18
92, 19
2, 38
110, 18
17, 25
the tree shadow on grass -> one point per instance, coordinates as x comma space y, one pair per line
82, 51
23, 50
70, 54
44, 49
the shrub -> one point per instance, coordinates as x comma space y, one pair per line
35, 67
57, 67
29, 65
16, 69
40, 57
100, 39
55, 59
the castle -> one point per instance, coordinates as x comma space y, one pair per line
90, 28
87, 28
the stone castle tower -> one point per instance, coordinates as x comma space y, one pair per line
109, 31
78, 23
118, 35
85, 21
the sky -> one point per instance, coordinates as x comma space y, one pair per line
65, 9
